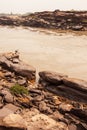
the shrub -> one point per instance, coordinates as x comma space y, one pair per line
17, 89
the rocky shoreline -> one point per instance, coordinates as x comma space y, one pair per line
59, 20
56, 102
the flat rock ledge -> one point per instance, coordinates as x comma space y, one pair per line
12, 62
71, 88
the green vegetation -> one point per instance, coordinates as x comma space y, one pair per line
17, 89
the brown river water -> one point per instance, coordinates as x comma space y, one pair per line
46, 50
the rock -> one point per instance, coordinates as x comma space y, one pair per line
7, 96
24, 70
9, 128
9, 74
1, 98
84, 125
56, 100
52, 77
77, 28
1, 87
38, 98
1, 102
42, 106
42, 83
10, 56
76, 84
4, 112
13, 122
65, 107
64, 20
57, 116
76, 127
82, 114
22, 82
27, 114
1, 74
45, 121
81, 127
35, 91
6, 84
73, 89
24, 101
68, 92
12, 107
1, 105
20, 68
72, 127
15, 60
9, 84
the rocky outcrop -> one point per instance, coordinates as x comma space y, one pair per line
62, 85
12, 62
15, 76
64, 20
55, 102
75, 93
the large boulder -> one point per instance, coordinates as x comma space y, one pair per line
13, 122
12, 62
52, 77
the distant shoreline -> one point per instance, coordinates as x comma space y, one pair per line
48, 31
59, 21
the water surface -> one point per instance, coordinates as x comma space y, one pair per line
64, 53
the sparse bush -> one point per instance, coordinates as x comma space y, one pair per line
17, 89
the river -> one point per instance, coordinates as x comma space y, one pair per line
46, 50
